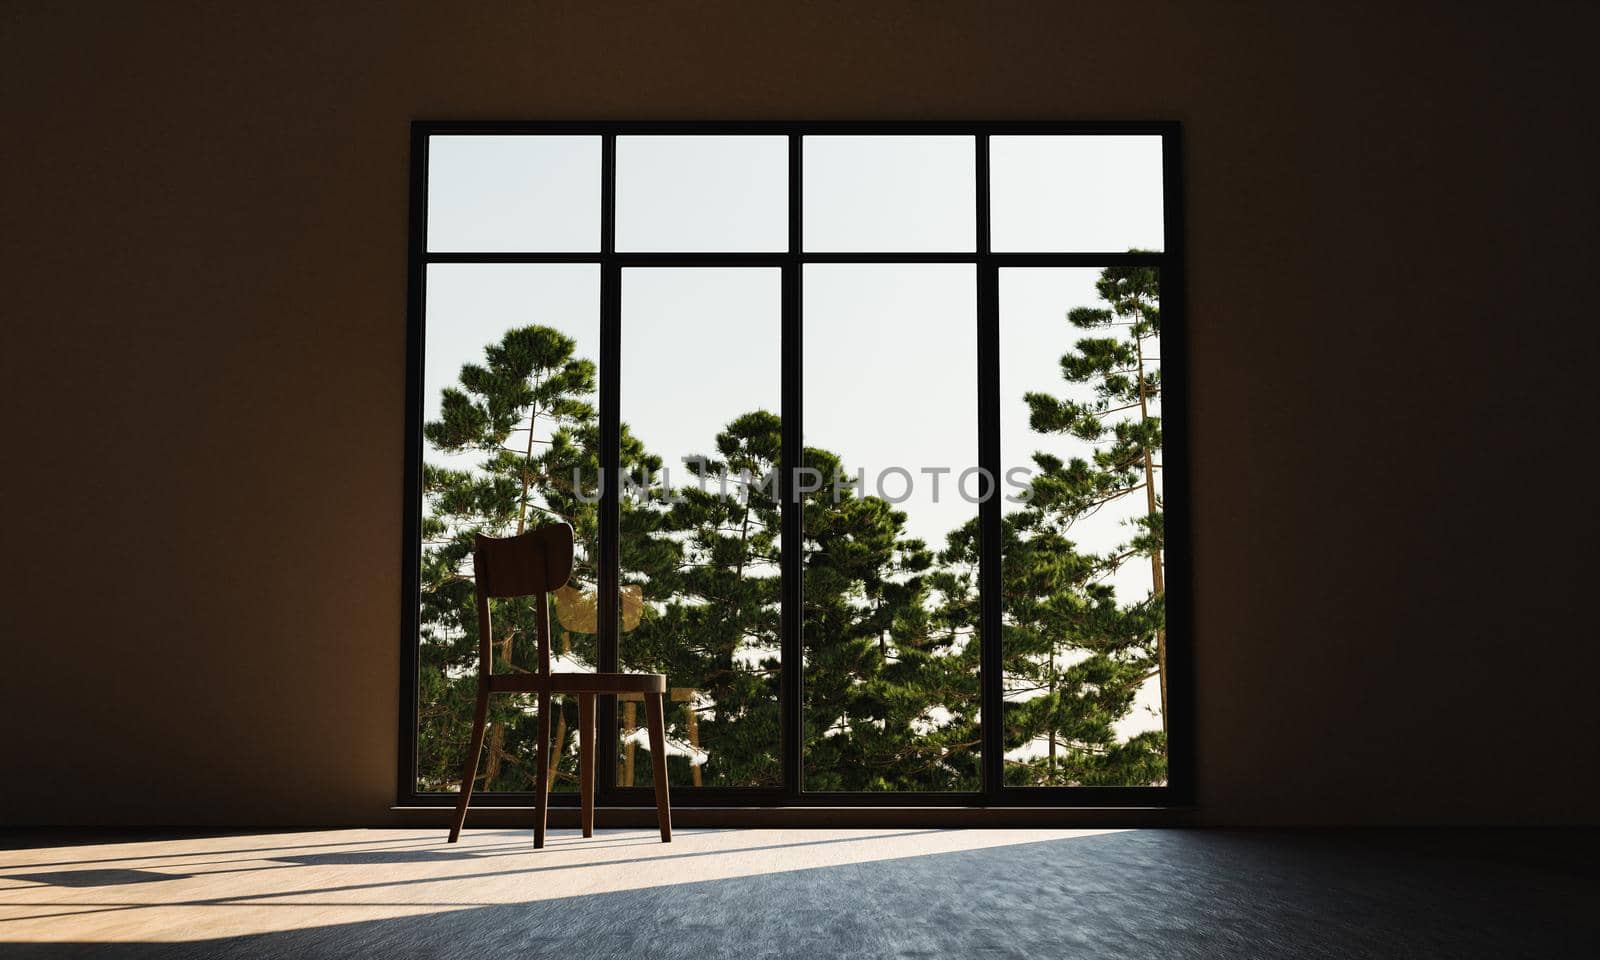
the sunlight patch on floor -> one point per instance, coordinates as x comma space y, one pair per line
203, 888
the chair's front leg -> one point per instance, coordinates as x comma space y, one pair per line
541, 761
658, 762
586, 759
470, 772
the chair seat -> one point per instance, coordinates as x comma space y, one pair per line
578, 683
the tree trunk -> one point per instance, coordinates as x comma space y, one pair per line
497, 740
630, 724
1157, 580
1052, 763
522, 505
558, 742
692, 721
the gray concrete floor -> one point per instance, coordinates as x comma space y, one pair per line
807, 894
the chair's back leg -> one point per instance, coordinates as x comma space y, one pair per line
658, 762
541, 762
586, 759
470, 771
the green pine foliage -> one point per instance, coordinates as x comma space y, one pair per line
890, 639
1075, 653
710, 621
890, 695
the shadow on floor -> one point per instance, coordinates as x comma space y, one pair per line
1143, 894
95, 878
30, 839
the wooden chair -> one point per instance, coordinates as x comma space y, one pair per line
533, 564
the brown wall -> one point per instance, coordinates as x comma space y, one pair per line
1392, 225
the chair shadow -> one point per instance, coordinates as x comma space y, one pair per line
409, 854
377, 857
21, 840
80, 879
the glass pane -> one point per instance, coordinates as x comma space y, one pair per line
707, 194
890, 552
889, 194
508, 421
513, 194
701, 375
1088, 193
1081, 570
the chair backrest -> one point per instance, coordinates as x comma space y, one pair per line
530, 564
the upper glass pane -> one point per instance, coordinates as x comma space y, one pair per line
895, 194
513, 194
702, 194
1075, 194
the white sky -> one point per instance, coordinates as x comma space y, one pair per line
729, 194
891, 380
889, 367
871, 194
513, 194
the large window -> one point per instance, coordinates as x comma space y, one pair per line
871, 437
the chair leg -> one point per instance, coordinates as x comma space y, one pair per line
586, 759
470, 773
658, 762
541, 761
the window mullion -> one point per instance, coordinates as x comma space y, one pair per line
607, 605
793, 449
991, 690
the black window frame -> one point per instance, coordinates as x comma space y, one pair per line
1179, 789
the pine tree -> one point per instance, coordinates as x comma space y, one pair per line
1125, 375
711, 617
890, 694
524, 409
1075, 657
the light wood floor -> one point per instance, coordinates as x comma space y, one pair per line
231, 886
802, 893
